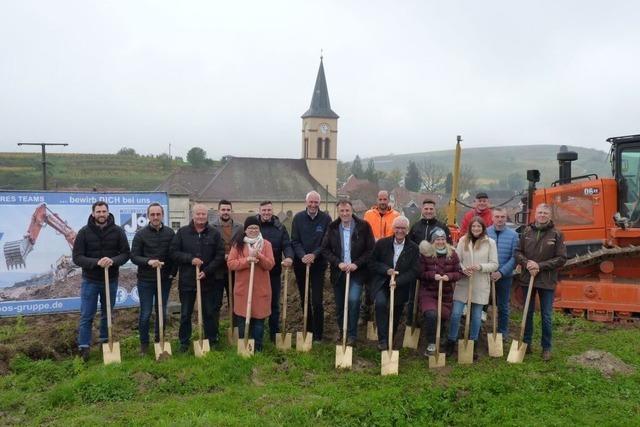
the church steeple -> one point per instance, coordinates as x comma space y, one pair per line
320, 106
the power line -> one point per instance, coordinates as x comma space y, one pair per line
43, 146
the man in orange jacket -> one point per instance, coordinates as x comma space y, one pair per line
380, 218
482, 209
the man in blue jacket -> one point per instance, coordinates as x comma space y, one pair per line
307, 230
506, 241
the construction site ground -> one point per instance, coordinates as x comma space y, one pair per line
593, 378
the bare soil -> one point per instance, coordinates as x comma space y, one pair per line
606, 363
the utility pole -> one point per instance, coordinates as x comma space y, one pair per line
43, 146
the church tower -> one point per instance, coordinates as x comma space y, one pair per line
320, 136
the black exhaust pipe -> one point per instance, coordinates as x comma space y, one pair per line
565, 157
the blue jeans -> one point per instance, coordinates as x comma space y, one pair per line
546, 309
90, 291
148, 293
503, 297
456, 314
256, 330
355, 290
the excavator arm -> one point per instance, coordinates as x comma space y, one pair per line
15, 252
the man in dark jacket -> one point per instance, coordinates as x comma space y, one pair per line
307, 230
227, 229
421, 231
100, 244
198, 244
541, 252
150, 248
399, 254
347, 246
273, 231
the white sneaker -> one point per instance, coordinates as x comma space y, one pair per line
483, 317
464, 310
431, 350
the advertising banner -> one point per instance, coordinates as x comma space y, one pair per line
37, 231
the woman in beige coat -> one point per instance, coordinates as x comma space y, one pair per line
478, 257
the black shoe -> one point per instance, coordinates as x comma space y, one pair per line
529, 349
143, 349
84, 353
450, 348
475, 352
184, 348
382, 346
351, 341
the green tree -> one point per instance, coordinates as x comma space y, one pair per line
126, 151
412, 179
197, 157
356, 168
370, 173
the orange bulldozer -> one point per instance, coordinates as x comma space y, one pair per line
600, 220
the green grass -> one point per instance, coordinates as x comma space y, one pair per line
304, 389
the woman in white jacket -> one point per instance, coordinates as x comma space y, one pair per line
478, 257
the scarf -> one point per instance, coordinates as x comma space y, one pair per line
442, 251
255, 243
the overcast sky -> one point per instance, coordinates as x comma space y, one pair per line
233, 77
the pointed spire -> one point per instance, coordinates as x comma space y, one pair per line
320, 105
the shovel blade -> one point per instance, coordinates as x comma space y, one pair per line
465, 352
390, 362
410, 340
283, 341
496, 347
304, 343
344, 357
162, 351
437, 361
201, 350
246, 349
372, 331
111, 353
232, 335
517, 352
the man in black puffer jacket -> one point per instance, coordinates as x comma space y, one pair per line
198, 244
150, 248
100, 244
276, 233
421, 231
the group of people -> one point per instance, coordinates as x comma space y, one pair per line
371, 251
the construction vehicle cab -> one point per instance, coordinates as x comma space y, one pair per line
600, 221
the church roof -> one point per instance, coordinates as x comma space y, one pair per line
320, 105
187, 181
257, 179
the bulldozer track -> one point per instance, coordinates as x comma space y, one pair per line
602, 254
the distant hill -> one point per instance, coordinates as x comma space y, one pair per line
23, 171
492, 164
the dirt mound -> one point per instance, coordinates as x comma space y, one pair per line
605, 362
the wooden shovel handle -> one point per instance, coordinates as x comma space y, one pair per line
495, 309
392, 290
526, 307
345, 312
107, 293
247, 319
305, 311
199, 301
160, 313
439, 319
284, 299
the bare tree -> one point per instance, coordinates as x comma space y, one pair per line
467, 179
433, 175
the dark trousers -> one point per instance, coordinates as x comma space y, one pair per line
210, 305
412, 294
315, 320
381, 302
430, 323
148, 294
256, 330
274, 319
224, 286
